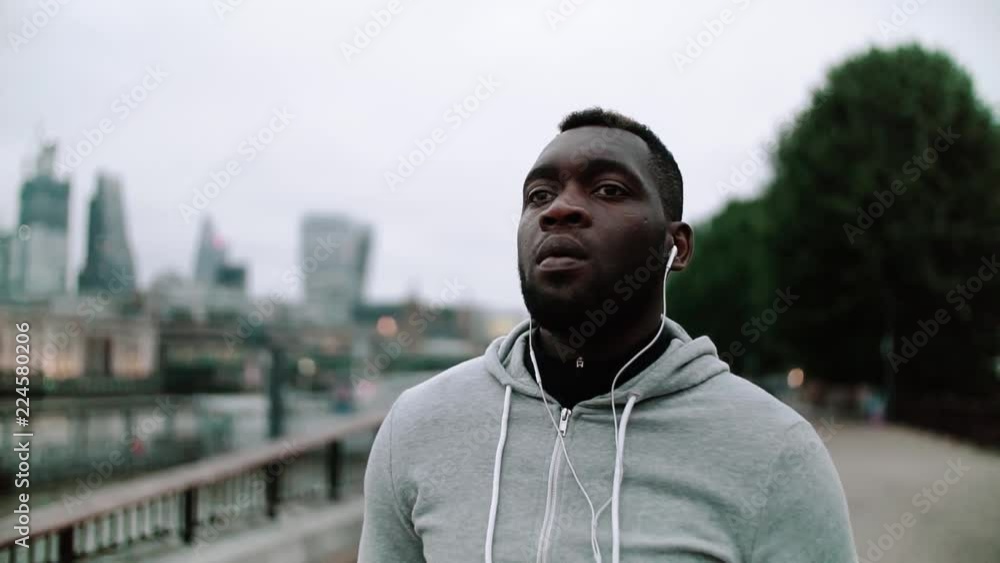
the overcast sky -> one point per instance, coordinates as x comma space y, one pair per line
215, 76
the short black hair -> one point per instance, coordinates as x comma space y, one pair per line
665, 170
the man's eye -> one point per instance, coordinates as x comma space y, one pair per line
611, 190
540, 196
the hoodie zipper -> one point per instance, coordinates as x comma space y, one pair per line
564, 421
555, 468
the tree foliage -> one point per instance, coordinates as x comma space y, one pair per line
885, 200
884, 217
726, 287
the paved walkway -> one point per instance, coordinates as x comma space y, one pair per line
891, 471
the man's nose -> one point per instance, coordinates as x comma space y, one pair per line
568, 209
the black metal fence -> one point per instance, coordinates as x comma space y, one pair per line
202, 501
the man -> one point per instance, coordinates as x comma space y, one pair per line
599, 430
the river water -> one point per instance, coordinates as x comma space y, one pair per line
80, 434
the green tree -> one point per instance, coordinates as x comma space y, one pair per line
885, 199
726, 286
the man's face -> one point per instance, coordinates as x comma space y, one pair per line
590, 214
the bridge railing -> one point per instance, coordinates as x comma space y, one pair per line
199, 501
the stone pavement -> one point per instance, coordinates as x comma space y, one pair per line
917, 497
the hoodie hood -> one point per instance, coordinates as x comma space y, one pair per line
686, 363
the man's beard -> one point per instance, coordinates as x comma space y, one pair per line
562, 311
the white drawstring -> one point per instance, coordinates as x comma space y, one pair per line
663, 323
619, 473
620, 432
497, 462
614, 414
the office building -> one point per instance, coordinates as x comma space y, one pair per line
210, 256
109, 265
334, 258
6, 241
38, 255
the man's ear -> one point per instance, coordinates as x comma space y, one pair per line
681, 235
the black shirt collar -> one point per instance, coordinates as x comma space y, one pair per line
577, 378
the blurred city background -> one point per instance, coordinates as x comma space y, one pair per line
237, 230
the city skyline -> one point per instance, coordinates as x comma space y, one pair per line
334, 248
310, 128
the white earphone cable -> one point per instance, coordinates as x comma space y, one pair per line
619, 441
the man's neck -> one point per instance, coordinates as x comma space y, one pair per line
571, 378
609, 342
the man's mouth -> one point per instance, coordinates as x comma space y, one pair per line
560, 253
556, 263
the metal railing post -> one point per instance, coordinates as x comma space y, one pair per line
190, 515
334, 469
66, 552
271, 494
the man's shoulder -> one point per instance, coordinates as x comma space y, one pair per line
748, 414
749, 400
757, 431
448, 391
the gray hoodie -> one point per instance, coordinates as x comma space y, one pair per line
471, 466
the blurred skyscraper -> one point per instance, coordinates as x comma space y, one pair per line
232, 276
210, 256
334, 258
109, 256
38, 257
218, 289
6, 240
